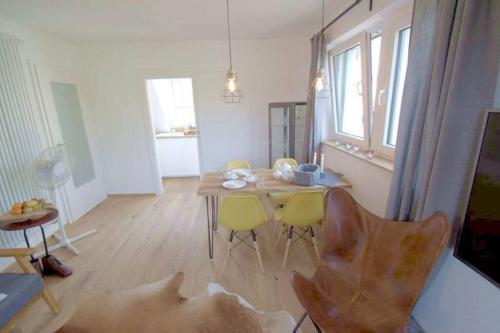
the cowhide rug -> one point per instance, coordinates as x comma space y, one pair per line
158, 307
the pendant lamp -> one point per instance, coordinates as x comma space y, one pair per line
231, 92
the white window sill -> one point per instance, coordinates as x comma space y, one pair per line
379, 161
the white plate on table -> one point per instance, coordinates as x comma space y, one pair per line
234, 184
242, 172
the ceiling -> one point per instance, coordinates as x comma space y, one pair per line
100, 21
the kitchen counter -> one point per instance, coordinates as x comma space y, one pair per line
174, 135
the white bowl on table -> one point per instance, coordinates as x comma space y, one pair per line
230, 175
250, 178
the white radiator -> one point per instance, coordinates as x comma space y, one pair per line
20, 136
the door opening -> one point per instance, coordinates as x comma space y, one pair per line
172, 110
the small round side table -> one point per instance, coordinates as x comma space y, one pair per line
51, 265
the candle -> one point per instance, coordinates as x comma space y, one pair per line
322, 163
315, 157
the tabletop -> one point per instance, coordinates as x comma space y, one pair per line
211, 184
52, 215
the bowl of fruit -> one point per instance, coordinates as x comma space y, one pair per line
27, 210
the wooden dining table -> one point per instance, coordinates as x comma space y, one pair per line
211, 188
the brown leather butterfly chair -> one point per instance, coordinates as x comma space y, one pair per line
372, 270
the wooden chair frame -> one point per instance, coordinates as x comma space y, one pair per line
21, 255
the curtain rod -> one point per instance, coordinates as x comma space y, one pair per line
354, 4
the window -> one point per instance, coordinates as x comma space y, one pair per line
368, 74
171, 103
348, 92
348, 84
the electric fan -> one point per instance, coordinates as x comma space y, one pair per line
51, 171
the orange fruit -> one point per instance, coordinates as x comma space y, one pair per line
18, 205
17, 211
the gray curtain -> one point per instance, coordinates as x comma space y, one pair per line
313, 130
451, 79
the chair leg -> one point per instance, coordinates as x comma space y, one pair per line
287, 249
296, 328
228, 250
315, 244
257, 250
275, 228
50, 300
278, 238
301, 320
316, 326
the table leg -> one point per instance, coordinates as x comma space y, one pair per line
28, 243
215, 221
217, 212
44, 242
209, 229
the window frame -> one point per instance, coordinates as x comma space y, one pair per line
385, 88
359, 39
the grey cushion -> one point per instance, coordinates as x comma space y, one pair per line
20, 290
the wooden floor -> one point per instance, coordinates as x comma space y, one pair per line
142, 239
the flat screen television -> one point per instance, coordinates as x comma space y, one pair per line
478, 244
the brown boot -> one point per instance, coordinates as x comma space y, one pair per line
52, 265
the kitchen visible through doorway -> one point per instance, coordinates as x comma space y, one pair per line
172, 110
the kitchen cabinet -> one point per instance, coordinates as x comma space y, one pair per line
178, 155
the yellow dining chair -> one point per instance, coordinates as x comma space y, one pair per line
237, 164
302, 211
279, 199
242, 213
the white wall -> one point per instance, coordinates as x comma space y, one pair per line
271, 70
370, 183
58, 60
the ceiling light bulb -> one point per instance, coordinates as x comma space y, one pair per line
321, 88
319, 84
231, 85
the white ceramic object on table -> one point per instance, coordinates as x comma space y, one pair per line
285, 167
234, 184
288, 177
277, 174
242, 172
250, 178
230, 175
286, 172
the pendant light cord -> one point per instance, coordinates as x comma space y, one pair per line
321, 58
229, 34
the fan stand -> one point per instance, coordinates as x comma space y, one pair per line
64, 241
62, 238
